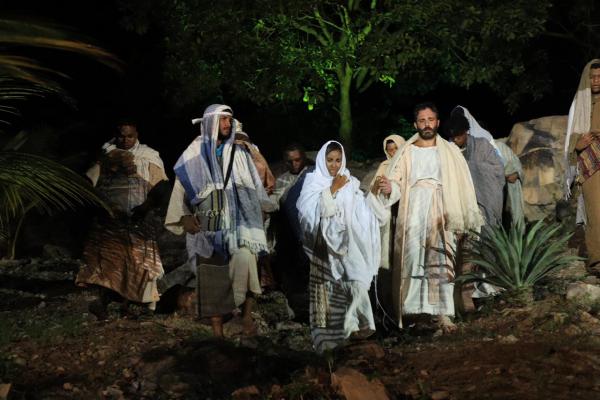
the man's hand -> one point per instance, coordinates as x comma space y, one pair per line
385, 186
512, 178
190, 224
338, 182
375, 187
585, 140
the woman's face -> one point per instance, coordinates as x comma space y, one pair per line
333, 160
391, 149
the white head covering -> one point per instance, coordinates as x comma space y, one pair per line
476, 130
397, 139
352, 233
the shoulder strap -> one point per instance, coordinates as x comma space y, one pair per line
230, 166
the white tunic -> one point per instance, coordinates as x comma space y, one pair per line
425, 183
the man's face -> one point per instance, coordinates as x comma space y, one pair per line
225, 126
126, 137
295, 161
461, 139
595, 80
427, 124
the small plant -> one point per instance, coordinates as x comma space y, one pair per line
517, 259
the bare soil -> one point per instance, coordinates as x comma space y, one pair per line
54, 349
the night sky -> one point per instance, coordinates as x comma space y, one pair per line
103, 95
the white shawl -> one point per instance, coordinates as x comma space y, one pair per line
476, 130
143, 156
347, 224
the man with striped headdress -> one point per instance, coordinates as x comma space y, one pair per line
218, 199
582, 158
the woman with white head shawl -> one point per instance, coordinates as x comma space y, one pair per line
341, 239
391, 145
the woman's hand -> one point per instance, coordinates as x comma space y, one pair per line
338, 182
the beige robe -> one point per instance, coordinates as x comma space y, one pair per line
386, 229
452, 209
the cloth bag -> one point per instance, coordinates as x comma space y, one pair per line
210, 210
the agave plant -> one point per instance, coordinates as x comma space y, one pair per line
28, 181
519, 258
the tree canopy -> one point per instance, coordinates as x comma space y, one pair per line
326, 52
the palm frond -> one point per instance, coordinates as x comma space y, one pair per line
17, 32
27, 179
23, 77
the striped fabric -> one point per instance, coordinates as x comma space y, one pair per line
337, 308
589, 161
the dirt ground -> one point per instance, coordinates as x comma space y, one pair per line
54, 349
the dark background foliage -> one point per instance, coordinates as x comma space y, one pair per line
181, 55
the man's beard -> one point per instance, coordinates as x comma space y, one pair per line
222, 137
427, 134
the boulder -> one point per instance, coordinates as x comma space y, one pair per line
583, 291
353, 385
539, 144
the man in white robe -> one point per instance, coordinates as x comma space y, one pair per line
430, 179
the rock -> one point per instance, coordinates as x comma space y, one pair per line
4, 390
273, 308
559, 318
56, 252
583, 291
152, 370
510, 339
368, 349
539, 144
68, 386
574, 270
587, 318
20, 361
288, 326
247, 392
355, 386
440, 395
113, 392
173, 385
572, 330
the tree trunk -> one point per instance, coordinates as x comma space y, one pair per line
345, 130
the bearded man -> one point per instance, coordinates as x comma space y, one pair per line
430, 179
218, 200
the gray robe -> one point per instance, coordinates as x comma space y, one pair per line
487, 172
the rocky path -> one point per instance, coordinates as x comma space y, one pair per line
51, 348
